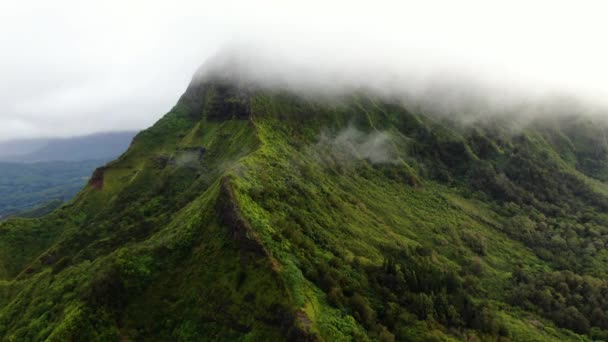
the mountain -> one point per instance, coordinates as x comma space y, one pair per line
100, 146
256, 214
14, 148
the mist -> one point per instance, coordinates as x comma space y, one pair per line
350, 145
450, 93
73, 68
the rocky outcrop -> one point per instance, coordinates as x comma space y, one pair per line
217, 100
227, 102
296, 325
96, 180
238, 228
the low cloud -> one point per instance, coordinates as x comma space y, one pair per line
187, 159
350, 145
66, 71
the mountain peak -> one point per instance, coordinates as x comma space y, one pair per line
367, 220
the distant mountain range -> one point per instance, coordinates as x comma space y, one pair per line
35, 173
89, 147
25, 186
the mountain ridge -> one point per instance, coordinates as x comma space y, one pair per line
258, 214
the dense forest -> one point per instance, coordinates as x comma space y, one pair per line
256, 214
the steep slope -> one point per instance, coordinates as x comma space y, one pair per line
249, 214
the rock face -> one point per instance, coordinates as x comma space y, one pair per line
96, 180
228, 102
217, 100
238, 228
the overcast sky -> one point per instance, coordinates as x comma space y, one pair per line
76, 67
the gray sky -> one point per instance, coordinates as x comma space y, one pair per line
76, 67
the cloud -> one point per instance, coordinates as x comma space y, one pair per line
73, 67
351, 144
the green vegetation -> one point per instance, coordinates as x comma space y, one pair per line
253, 215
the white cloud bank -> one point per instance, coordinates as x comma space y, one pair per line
75, 67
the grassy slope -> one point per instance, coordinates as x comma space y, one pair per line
354, 213
154, 253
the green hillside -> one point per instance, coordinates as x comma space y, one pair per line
258, 215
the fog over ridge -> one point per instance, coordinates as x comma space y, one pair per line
449, 91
